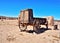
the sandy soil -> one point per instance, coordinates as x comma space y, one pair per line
9, 33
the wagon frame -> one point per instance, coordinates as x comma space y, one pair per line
26, 18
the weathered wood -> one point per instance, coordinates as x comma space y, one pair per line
26, 16
50, 20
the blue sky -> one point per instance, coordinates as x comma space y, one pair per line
41, 8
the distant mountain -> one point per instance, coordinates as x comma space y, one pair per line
57, 20
4, 17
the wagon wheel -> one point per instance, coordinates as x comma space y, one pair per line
36, 25
23, 27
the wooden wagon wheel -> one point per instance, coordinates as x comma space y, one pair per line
36, 25
23, 27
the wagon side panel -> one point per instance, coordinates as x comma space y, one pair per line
26, 17
21, 17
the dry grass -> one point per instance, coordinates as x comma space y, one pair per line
56, 37
11, 38
21, 34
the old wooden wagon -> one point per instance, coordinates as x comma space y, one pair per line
26, 18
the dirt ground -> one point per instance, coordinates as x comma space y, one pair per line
9, 33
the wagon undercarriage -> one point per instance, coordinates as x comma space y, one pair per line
36, 26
